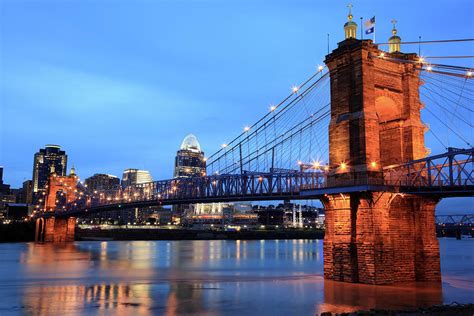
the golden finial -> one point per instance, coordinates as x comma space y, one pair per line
394, 30
349, 16
394, 41
350, 28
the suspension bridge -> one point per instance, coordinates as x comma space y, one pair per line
352, 136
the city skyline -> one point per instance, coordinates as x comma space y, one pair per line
191, 95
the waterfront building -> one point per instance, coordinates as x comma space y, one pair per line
135, 176
102, 182
46, 158
221, 214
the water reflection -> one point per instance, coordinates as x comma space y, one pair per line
342, 297
202, 277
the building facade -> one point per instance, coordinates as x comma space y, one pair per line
46, 159
135, 176
102, 182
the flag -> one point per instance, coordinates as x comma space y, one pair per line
370, 26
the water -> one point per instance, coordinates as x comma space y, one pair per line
271, 277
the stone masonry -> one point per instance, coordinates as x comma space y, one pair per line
376, 237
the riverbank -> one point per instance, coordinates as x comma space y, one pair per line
443, 310
17, 232
193, 234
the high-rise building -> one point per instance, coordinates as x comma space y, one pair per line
27, 192
6, 195
135, 176
190, 161
47, 160
102, 182
4, 188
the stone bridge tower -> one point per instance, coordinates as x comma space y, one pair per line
54, 229
66, 185
374, 236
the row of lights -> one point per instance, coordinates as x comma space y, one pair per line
294, 89
429, 67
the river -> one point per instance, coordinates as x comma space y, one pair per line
215, 277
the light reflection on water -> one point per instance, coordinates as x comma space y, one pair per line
206, 278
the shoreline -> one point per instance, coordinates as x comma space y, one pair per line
193, 234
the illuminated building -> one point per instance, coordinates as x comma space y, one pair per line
50, 156
6, 195
135, 176
102, 182
224, 214
190, 161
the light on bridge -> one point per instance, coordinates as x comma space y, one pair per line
294, 89
272, 108
316, 164
373, 164
343, 166
421, 59
224, 145
429, 68
382, 54
320, 67
246, 129
469, 73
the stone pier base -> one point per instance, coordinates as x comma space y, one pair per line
380, 238
53, 229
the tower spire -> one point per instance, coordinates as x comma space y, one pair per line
350, 28
394, 40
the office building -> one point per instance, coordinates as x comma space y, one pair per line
4, 188
102, 182
190, 161
46, 159
135, 176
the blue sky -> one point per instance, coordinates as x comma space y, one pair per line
119, 84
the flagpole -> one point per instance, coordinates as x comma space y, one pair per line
374, 33
361, 28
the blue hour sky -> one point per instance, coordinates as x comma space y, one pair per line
119, 84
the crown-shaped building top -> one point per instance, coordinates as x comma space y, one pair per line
350, 28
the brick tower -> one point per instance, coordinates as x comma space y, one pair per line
373, 236
66, 185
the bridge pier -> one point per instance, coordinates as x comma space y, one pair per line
53, 229
380, 238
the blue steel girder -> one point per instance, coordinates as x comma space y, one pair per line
445, 175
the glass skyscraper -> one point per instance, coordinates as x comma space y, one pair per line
190, 161
50, 158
